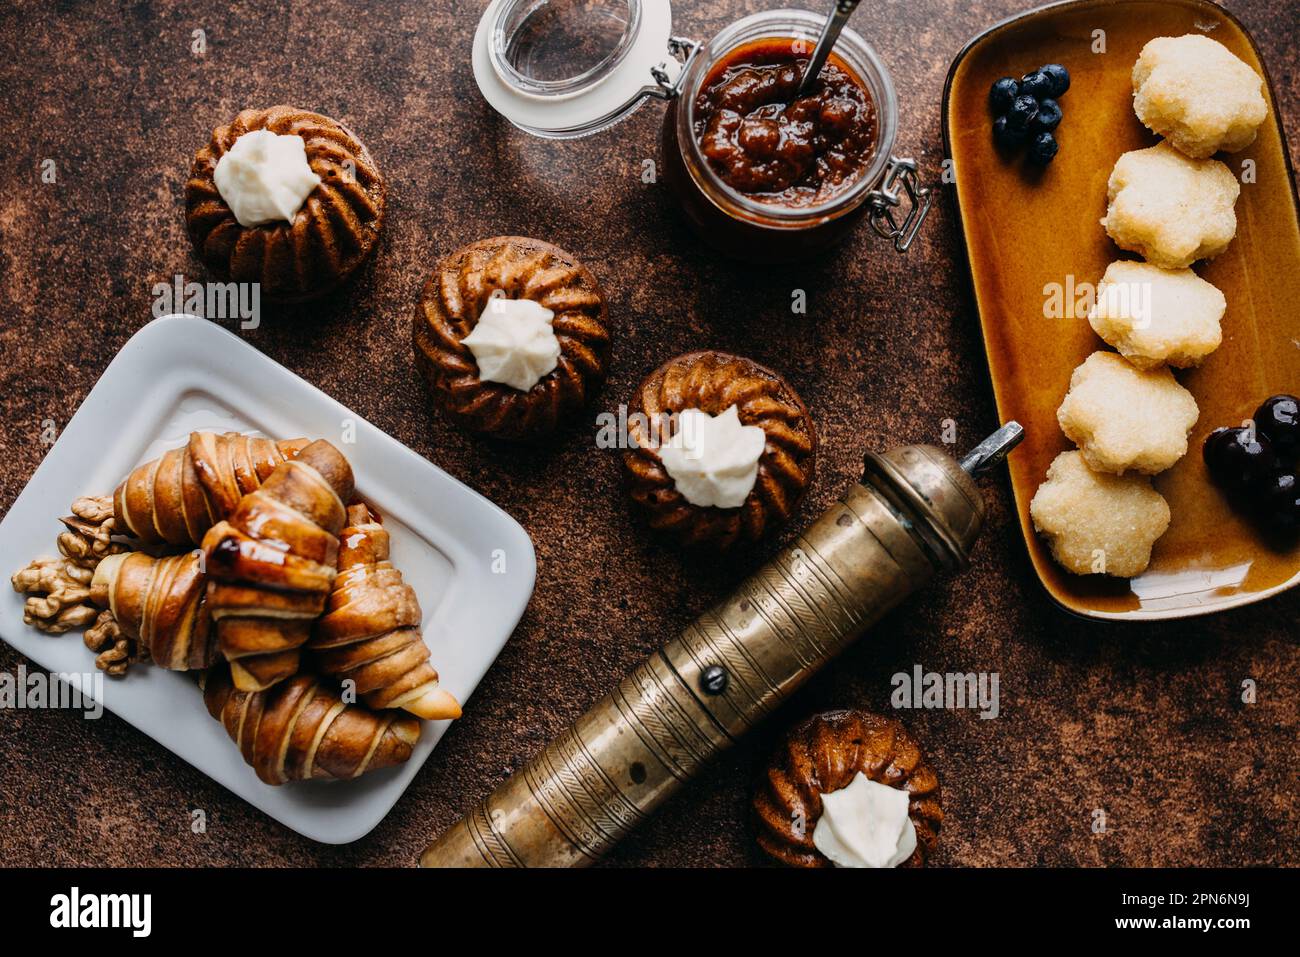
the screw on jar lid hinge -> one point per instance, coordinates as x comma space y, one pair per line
887, 198
668, 74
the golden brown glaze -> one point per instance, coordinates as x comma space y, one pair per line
272, 564
162, 603
712, 382
177, 497
824, 754
370, 632
519, 268
331, 235
300, 730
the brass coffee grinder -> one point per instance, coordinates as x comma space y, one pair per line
916, 512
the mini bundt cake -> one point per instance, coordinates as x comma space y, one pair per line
720, 449
512, 335
818, 767
266, 216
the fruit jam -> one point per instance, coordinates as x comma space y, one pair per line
775, 148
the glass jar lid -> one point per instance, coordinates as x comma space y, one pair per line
568, 68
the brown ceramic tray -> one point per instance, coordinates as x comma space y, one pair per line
1024, 231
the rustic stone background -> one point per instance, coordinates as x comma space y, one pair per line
1144, 722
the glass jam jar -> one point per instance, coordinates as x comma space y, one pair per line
569, 68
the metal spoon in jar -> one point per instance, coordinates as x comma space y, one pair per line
826, 42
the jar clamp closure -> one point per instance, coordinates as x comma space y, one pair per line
563, 69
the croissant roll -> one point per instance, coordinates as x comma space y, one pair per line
301, 729
261, 670
275, 562
160, 602
176, 498
370, 633
272, 563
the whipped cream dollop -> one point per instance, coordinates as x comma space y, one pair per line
865, 825
264, 177
514, 343
713, 459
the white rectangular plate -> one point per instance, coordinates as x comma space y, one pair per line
472, 565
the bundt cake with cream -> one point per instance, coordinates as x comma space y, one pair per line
512, 335
286, 198
720, 449
848, 789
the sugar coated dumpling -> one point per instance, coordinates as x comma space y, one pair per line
1169, 209
1194, 92
1155, 316
1126, 418
1096, 523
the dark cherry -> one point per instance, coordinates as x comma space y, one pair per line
1281, 501
1239, 458
1279, 419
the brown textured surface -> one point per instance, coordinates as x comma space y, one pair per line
1144, 722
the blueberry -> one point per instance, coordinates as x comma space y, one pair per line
1022, 112
1059, 76
1003, 94
1279, 419
1042, 148
1038, 85
1007, 136
1048, 118
1239, 459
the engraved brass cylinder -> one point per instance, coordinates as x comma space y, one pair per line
915, 513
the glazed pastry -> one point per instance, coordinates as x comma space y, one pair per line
162, 604
721, 449
823, 791
370, 633
1192, 90
1122, 417
512, 335
286, 198
176, 498
1096, 523
271, 565
301, 729
1169, 209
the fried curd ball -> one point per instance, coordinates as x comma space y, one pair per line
1096, 523
1194, 92
1157, 316
1169, 209
1123, 418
